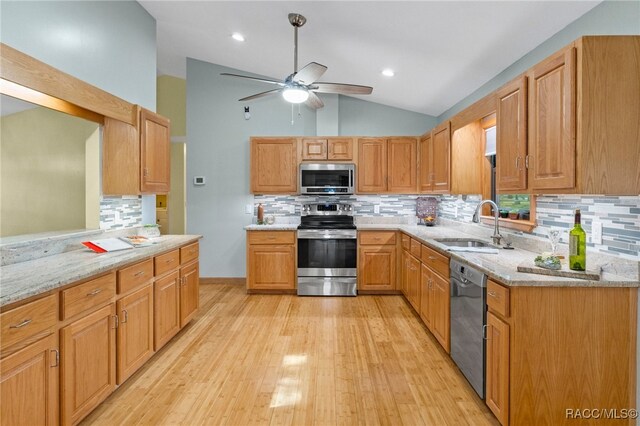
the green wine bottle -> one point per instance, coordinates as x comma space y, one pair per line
577, 246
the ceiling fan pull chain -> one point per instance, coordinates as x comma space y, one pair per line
299, 112
292, 105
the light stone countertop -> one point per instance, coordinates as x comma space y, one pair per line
502, 267
274, 227
22, 280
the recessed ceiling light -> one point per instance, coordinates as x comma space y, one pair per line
388, 72
237, 37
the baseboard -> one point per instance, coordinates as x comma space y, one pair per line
217, 280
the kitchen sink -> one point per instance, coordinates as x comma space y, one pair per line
459, 242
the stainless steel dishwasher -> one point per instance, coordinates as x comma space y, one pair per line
468, 318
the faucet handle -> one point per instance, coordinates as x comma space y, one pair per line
497, 238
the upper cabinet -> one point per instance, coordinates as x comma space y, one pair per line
435, 160
274, 165
387, 165
335, 149
136, 159
552, 144
511, 136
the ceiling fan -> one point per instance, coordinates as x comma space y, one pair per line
301, 86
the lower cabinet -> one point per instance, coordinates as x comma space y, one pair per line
497, 368
29, 384
271, 260
135, 331
166, 307
411, 279
434, 305
88, 353
189, 292
377, 260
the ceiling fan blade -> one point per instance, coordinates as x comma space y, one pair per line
314, 101
346, 89
260, 95
310, 73
264, 80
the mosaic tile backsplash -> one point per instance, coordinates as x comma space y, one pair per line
620, 216
120, 212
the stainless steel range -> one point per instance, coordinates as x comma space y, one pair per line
327, 250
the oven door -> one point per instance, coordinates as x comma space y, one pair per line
327, 253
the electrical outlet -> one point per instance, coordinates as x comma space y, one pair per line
117, 218
248, 209
596, 232
455, 212
376, 208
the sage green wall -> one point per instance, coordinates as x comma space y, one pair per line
609, 17
172, 102
42, 179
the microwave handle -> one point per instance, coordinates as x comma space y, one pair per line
351, 177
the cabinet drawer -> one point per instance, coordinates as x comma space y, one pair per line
166, 262
415, 248
377, 238
271, 237
133, 276
28, 320
406, 242
498, 298
86, 296
189, 253
436, 261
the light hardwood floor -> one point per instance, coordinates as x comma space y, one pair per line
280, 359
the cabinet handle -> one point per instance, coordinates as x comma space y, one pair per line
126, 316
485, 335
57, 358
145, 172
94, 292
169, 260
137, 274
492, 294
526, 161
22, 324
432, 258
116, 321
192, 251
413, 268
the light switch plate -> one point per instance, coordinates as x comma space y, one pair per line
376, 208
596, 232
248, 209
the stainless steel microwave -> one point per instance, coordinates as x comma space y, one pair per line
327, 179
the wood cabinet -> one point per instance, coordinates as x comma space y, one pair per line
497, 368
552, 139
88, 354
387, 165
135, 331
189, 292
166, 308
29, 384
435, 160
274, 166
320, 149
136, 159
377, 260
511, 136
413, 282
435, 295
271, 261
426, 296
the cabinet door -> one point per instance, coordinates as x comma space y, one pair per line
425, 183
189, 292
441, 320
88, 353
404, 274
271, 267
29, 385
372, 165
441, 158
511, 136
414, 283
340, 149
274, 166
402, 165
497, 366
120, 158
155, 152
426, 294
377, 268
314, 149
166, 309
552, 142
135, 331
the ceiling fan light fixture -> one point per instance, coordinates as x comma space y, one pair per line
388, 72
295, 95
237, 37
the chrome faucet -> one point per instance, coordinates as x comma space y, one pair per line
496, 237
